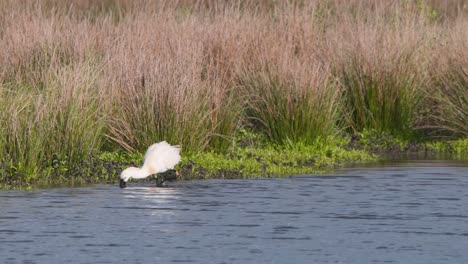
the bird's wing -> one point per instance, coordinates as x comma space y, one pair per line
161, 157
151, 149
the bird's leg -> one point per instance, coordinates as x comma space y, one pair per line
122, 184
159, 180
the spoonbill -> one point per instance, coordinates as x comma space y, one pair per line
159, 158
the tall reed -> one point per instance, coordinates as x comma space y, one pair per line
289, 109
173, 88
380, 66
382, 98
446, 112
59, 120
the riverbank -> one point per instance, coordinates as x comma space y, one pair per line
247, 158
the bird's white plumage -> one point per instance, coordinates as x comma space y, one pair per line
159, 158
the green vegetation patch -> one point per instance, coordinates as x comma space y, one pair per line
271, 160
248, 157
458, 147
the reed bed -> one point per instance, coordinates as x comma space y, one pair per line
446, 112
79, 77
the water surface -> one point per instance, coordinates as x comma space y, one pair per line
411, 212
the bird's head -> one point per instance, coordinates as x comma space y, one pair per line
127, 174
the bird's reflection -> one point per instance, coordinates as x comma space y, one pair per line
151, 194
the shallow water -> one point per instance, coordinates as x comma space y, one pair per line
411, 212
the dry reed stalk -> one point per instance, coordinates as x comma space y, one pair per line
446, 112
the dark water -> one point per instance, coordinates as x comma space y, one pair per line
397, 213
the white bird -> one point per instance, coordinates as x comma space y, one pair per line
159, 158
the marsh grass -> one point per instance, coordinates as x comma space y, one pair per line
272, 160
81, 77
447, 110
289, 110
172, 92
59, 120
451, 97
384, 98
381, 65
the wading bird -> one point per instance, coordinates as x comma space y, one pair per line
159, 158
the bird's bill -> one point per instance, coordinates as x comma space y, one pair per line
123, 183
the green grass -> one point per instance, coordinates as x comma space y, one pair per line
288, 111
381, 99
449, 101
60, 120
249, 157
377, 141
458, 147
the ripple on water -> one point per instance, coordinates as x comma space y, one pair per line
410, 213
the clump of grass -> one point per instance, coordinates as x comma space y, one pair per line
450, 114
289, 109
142, 117
447, 105
383, 87
384, 102
378, 141
457, 147
461, 146
270, 160
58, 120
152, 112
174, 94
